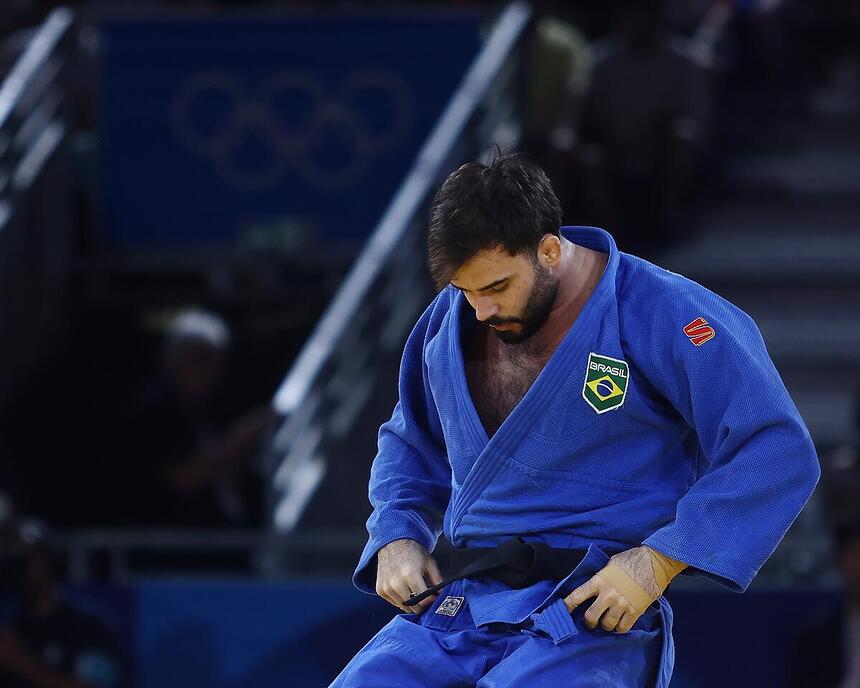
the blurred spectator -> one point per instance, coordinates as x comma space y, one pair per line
188, 468
828, 35
49, 643
7, 501
558, 71
765, 71
640, 134
827, 653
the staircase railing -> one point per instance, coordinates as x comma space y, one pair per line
346, 373
33, 210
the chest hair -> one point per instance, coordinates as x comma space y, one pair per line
498, 380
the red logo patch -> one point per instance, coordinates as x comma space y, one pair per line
699, 331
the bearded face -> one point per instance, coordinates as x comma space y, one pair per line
511, 294
534, 313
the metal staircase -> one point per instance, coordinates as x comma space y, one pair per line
34, 211
784, 245
343, 384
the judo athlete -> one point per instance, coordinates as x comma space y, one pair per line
582, 426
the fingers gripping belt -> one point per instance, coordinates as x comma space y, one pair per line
515, 563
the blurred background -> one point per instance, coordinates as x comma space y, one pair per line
212, 222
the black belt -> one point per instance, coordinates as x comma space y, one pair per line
515, 563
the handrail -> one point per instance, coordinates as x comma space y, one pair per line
85, 548
395, 221
28, 64
80, 547
30, 130
164, 539
35, 104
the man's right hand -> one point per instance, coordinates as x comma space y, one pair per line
405, 567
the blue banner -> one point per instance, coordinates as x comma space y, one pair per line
257, 635
268, 129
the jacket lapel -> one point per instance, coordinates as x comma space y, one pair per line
567, 360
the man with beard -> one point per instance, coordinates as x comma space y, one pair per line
598, 427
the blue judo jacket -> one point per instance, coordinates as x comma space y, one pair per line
660, 419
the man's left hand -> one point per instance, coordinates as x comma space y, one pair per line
624, 588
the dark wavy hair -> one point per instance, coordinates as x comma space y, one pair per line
508, 203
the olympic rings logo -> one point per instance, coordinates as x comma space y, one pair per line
292, 121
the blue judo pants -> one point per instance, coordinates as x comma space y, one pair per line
441, 652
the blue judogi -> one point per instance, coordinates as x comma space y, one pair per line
706, 460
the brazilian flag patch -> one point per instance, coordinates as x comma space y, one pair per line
605, 383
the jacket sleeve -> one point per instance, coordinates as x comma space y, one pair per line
757, 465
410, 480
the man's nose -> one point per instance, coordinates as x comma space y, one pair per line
485, 309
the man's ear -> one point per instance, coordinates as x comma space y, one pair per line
549, 250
